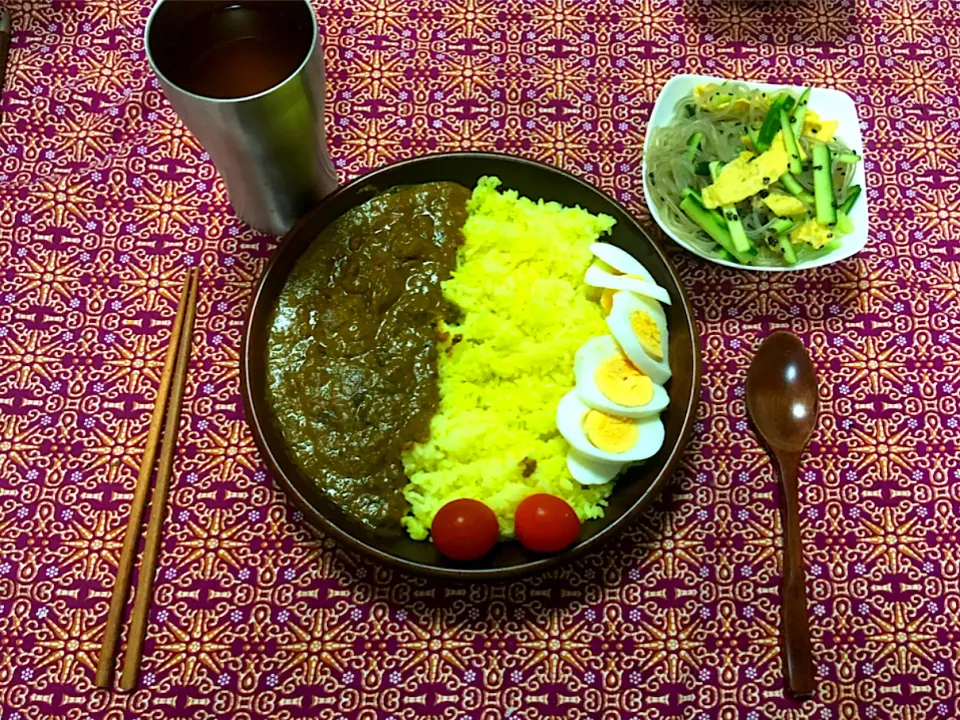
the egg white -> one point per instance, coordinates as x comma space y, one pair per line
621, 260
590, 472
570, 412
598, 277
588, 357
625, 303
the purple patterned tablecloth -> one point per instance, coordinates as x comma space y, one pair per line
105, 200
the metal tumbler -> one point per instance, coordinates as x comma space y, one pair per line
267, 142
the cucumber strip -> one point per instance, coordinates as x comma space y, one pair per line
794, 187
789, 254
783, 225
693, 145
809, 254
702, 168
718, 99
823, 186
741, 242
771, 123
692, 193
793, 148
849, 157
709, 225
852, 194
724, 255
844, 224
799, 114
752, 134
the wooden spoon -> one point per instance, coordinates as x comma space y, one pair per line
782, 401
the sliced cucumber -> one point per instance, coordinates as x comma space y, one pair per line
718, 99
848, 157
844, 224
741, 242
709, 225
702, 168
693, 145
692, 193
799, 114
783, 225
789, 254
852, 194
752, 134
771, 122
794, 187
790, 139
823, 186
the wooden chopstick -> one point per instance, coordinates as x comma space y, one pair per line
121, 587
158, 507
5, 32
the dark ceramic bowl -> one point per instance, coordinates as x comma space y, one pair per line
634, 490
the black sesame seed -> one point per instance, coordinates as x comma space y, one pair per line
813, 130
796, 157
766, 180
829, 236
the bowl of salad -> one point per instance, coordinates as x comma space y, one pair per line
757, 176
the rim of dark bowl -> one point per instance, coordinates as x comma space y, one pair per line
317, 520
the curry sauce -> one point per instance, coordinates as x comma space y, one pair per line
351, 355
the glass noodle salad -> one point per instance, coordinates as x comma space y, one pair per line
751, 176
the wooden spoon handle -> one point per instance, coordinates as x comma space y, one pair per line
794, 626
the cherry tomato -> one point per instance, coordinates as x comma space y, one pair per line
464, 529
546, 523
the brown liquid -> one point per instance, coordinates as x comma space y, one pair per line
230, 50
352, 351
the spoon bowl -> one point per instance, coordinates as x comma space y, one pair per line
782, 392
782, 402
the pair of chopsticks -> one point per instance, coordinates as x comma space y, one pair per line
175, 375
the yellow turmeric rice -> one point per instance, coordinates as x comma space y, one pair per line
507, 362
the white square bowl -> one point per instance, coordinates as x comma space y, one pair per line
830, 105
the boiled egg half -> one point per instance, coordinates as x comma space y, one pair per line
639, 325
587, 471
607, 380
621, 271
606, 438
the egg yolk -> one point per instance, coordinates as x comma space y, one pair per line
647, 333
606, 300
620, 381
610, 433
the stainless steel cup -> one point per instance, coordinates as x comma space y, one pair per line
270, 147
